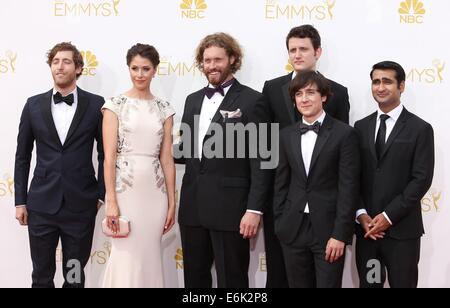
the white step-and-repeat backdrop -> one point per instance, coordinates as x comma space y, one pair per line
356, 34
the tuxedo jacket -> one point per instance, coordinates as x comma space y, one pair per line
397, 182
330, 189
216, 192
281, 106
64, 173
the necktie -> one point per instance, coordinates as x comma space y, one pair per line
304, 128
209, 92
381, 136
58, 98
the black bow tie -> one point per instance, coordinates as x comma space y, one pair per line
304, 128
58, 98
209, 92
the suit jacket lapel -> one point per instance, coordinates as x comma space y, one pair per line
322, 138
83, 103
287, 98
296, 141
46, 110
399, 125
371, 134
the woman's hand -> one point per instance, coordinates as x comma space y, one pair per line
112, 214
170, 220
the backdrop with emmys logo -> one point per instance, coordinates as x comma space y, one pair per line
356, 34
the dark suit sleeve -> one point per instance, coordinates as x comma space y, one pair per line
178, 149
25, 144
348, 193
100, 156
282, 179
268, 108
421, 177
260, 178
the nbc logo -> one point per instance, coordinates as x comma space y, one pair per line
193, 9
411, 12
8, 62
429, 75
90, 63
6, 186
289, 67
179, 259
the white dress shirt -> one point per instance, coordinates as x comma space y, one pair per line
390, 123
63, 115
209, 110
308, 144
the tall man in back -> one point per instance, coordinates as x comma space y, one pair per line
397, 151
64, 195
304, 49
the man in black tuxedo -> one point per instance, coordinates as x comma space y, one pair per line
222, 195
304, 48
397, 151
64, 195
316, 189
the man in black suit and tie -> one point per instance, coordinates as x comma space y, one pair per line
222, 195
397, 151
316, 189
304, 48
64, 195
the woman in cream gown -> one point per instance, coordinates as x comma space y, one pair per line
139, 175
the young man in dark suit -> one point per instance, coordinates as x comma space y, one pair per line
64, 194
304, 49
397, 151
222, 195
316, 188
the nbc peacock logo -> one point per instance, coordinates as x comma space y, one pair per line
90, 63
8, 62
193, 9
289, 67
6, 186
179, 259
412, 12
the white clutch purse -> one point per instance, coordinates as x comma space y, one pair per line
124, 228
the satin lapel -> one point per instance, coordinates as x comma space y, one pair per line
322, 138
46, 111
83, 104
296, 141
371, 135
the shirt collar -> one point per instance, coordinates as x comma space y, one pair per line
394, 114
320, 119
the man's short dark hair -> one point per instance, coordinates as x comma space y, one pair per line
400, 74
307, 78
305, 31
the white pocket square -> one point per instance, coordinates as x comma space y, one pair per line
231, 114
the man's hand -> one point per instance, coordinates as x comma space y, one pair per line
335, 250
249, 225
22, 215
366, 221
378, 226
